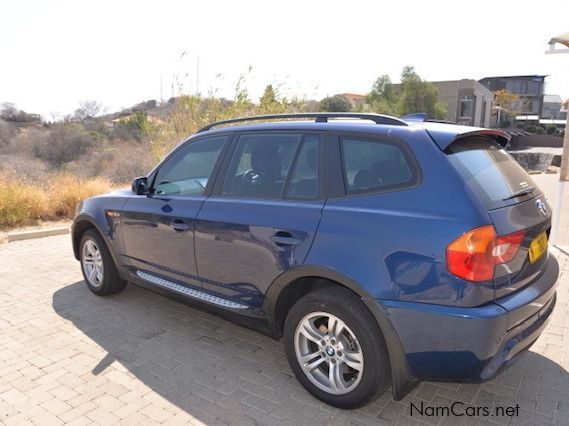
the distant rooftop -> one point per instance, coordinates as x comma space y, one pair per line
554, 99
515, 76
353, 95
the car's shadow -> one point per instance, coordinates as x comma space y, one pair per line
221, 373
214, 370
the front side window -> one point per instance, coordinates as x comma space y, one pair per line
260, 165
371, 165
188, 171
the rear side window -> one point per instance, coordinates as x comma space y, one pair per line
260, 165
490, 171
371, 165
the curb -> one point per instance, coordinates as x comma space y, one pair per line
35, 233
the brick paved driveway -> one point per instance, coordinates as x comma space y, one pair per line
68, 356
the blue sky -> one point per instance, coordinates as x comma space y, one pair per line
57, 53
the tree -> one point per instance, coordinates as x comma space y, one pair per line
505, 99
383, 97
412, 95
418, 95
88, 110
507, 102
335, 103
9, 112
269, 97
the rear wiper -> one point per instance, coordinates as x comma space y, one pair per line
521, 192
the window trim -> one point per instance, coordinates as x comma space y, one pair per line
415, 169
224, 167
319, 172
214, 172
466, 99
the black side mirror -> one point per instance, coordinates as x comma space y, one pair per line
140, 185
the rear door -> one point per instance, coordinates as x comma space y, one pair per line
262, 217
515, 205
158, 229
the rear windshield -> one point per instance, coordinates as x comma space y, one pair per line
490, 171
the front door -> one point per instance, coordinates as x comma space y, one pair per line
158, 229
262, 218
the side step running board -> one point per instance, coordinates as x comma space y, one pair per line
187, 291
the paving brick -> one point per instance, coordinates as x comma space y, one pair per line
68, 356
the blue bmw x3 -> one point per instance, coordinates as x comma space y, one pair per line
382, 250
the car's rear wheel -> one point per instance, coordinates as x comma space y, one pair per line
336, 349
97, 265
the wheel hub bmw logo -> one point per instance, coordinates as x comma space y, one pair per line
541, 207
330, 351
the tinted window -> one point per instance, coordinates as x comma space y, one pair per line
304, 177
374, 165
489, 169
260, 165
189, 170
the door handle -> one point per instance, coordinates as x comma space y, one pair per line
179, 225
283, 238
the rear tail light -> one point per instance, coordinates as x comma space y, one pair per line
506, 247
474, 254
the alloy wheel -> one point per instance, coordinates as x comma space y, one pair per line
92, 263
329, 353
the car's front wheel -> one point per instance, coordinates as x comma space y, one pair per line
336, 349
97, 265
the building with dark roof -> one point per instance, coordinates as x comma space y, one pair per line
529, 88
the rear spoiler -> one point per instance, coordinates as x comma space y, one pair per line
445, 134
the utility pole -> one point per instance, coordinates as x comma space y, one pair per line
198, 77
563, 39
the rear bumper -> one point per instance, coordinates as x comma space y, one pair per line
472, 344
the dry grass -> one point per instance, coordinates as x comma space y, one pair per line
66, 191
23, 203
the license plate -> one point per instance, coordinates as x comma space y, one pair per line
538, 247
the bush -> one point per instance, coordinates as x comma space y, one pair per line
335, 104
25, 167
119, 162
64, 144
136, 126
551, 129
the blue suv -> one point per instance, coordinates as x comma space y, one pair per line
382, 250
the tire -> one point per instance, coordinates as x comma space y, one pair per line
95, 256
359, 344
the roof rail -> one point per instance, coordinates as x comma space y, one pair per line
320, 117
